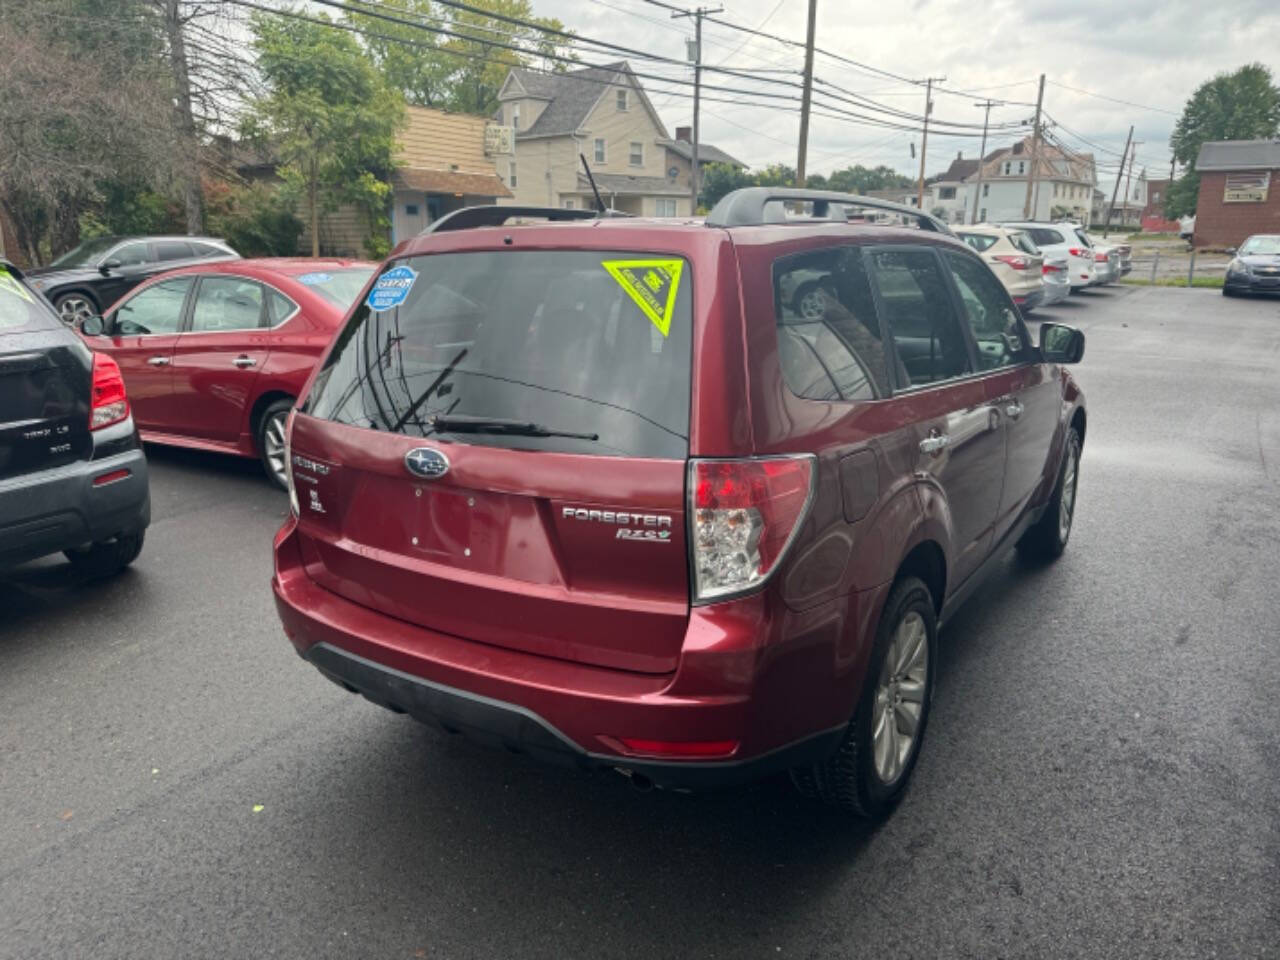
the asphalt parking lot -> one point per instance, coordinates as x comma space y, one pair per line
1101, 776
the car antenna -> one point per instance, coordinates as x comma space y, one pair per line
592, 180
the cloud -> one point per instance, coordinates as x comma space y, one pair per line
1153, 56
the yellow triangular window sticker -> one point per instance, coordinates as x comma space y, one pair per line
652, 284
9, 285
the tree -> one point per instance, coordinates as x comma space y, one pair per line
330, 118
1242, 105
84, 101
458, 58
860, 179
719, 179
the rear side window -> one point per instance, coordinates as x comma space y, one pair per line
1084, 238
920, 316
586, 342
131, 255
21, 308
1043, 236
979, 241
279, 306
227, 303
1022, 241
829, 344
157, 309
173, 250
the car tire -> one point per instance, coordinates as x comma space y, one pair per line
271, 441
869, 771
1228, 292
75, 307
1047, 539
109, 557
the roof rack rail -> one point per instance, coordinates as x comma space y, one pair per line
750, 206
493, 215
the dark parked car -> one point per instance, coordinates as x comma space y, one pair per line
1256, 267
215, 355
604, 492
73, 478
86, 280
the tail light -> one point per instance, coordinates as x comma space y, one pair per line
1078, 252
1099, 258
1013, 260
1050, 268
745, 514
109, 404
288, 463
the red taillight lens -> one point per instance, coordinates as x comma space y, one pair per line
1018, 263
679, 748
745, 514
1050, 268
1099, 258
109, 403
1077, 252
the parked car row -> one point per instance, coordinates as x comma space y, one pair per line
687, 500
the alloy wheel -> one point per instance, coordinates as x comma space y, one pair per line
273, 446
1067, 503
899, 699
74, 310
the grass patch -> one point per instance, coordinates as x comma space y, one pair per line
1212, 283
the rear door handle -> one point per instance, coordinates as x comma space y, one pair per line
935, 443
243, 362
158, 361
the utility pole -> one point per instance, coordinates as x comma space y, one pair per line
924, 140
1133, 157
1035, 152
806, 95
982, 154
1112, 209
694, 172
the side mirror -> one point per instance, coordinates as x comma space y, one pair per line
1060, 343
93, 326
1231, 251
107, 266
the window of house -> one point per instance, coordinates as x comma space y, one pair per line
410, 209
637, 153
1055, 189
568, 204
829, 341
920, 316
1155, 197
1007, 167
946, 193
511, 175
515, 117
986, 191
982, 215
1022, 166
665, 207
622, 100
600, 151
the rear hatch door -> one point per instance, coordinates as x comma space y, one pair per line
45, 382
498, 452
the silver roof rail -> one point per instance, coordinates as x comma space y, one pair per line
493, 215
750, 207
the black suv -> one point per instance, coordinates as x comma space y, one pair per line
97, 273
73, 477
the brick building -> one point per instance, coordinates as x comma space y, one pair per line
1239, 191
1153, 218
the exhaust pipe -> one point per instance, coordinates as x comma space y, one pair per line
638, 780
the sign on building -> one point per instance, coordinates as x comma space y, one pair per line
499, 140
1247, 187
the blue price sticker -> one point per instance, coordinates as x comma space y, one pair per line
314, 279
391, 289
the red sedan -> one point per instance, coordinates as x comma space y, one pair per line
215, 355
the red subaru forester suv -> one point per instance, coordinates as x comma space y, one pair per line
601, 491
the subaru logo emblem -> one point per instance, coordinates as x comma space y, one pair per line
426, 463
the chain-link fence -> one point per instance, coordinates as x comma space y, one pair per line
1172, 262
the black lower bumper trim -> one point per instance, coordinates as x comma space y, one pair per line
515, 728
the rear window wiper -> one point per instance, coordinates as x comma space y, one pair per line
500, 425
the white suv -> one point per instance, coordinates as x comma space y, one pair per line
1064, 240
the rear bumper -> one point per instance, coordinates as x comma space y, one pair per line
54, 510
1031, 299
726, 688
1056, 292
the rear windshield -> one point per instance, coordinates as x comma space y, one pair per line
1043, 236
592, 343
21, 308
340, 287
979, 241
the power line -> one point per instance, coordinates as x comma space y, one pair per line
1127, 103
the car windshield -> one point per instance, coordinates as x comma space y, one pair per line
86, 254
1260, 245
595, 344
340, 287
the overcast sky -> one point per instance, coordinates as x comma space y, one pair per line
1153, 55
